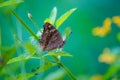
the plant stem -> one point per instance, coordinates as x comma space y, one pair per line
25, 25
29, 30
67, 70
0, 40
64, 67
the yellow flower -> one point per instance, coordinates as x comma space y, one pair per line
104, 30
100, 31
116, 20
107, 56
107, 24
96, 77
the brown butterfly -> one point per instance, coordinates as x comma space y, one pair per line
51, 38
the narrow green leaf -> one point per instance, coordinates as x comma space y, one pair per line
111, 71
24, 25
67, 33
27, 75
64, 17
52, 17
10, 2
16, 59
20, 58
60, 53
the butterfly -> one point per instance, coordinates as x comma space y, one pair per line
51, 38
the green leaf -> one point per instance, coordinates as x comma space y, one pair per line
23, 76
45, 66
111, 71
10, 2
16, 59
20, 58
66, 34
9, 52
24, 25
64, 17
30, 48
52, 17
60, 53
47, 20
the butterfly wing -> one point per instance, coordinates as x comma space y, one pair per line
55, 41
51, 38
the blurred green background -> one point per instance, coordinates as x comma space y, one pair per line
82, 44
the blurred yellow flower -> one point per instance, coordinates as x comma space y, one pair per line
116, 20
97, 77
115, 79
107, 24
104, 30
107, 56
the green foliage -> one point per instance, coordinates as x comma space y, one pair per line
56, 75
118, 36
24, 25
19, 58
61, 19
21, 76
111, 71
67, 33
32, 52
10, 2
4, 56
52, 17
64, 17
31, 49
58, 53
45, 66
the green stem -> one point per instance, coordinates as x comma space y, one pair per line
111, 71
25, 25
0, 41
28, 29
65, 68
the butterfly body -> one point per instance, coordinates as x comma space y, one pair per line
51, 38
